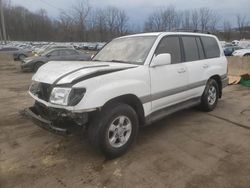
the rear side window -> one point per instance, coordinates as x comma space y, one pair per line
211, 47
190, 48
200, 48
170, 45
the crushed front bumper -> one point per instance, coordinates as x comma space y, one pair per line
57, 121
32, 114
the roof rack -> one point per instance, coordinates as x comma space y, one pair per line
191, 30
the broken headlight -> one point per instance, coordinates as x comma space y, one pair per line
67, 96
60, 96
76, 96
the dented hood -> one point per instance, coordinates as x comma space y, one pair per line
64, 72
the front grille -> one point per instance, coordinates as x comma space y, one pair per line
41, 90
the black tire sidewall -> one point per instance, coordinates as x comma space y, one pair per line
107, 116
204, 99
21, 56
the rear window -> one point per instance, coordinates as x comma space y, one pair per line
211, 47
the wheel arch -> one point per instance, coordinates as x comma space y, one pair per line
217, 78
131, 100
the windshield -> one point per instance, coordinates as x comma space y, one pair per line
132, 50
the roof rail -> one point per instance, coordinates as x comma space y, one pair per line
191, 30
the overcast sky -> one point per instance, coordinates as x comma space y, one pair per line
138, 10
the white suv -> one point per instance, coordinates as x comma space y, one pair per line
133, 81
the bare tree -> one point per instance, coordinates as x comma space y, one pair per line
80, 12
242, 23
122, 20
195, 19
186, 21
205, 16
227, 31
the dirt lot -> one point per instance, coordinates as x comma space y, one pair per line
189, 149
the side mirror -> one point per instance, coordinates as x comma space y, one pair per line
48, 55
161, 59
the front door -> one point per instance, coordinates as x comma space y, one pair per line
168, 82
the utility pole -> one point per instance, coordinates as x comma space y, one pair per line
2, 21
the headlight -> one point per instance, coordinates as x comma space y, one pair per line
67, 96
76, 96
60, 96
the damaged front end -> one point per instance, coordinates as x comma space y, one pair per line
55, 120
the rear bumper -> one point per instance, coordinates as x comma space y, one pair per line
32, 114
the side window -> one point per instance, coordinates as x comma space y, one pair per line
190, 48
170, 45
72, 52
54, 53
63, 52
200, 48
211, 47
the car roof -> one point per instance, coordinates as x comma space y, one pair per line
167, 33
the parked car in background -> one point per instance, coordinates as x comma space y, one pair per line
133, 81
17, 53
51, 47
228, 51
64, 54
92, 46
100, 46
242, 52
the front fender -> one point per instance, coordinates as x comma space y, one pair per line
97, 97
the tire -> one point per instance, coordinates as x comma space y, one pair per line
247, 55
37, 66
210, 96
113, 129
21, 57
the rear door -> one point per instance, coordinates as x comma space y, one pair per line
196, 65
168, 82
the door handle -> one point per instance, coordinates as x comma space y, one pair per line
205, 66
182, 70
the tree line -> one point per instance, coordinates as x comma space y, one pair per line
82, 22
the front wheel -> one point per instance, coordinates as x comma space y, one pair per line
210, 96
114, 129
21, 57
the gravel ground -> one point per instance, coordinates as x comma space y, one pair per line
189, 149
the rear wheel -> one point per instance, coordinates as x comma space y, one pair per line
210, 96
247, 55
114, 129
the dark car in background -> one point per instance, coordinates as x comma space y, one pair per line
33, 63
17, 53
228, 51
51, 47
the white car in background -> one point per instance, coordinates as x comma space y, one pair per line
242, 52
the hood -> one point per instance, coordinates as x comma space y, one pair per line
65, 72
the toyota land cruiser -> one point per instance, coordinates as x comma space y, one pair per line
133, 81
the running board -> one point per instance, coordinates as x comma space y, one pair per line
160, 114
